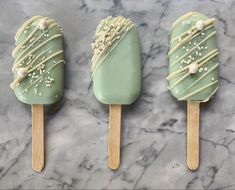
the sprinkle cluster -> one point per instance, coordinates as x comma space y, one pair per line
107, 33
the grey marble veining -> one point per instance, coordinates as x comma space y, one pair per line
153, 128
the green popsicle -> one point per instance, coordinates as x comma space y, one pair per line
193, 71
116, 72
38, 74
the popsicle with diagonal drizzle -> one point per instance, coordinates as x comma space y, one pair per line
116, 71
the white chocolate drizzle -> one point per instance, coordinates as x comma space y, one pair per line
193, 60
34, 52
108, 34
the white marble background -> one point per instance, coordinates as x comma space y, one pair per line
153, 128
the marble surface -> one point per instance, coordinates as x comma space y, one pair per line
153, 128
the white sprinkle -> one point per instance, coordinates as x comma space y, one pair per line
193, 68
205, 69
22, 72
42, 24
200, 25
212, 79
200, 70
31, 40
188, 61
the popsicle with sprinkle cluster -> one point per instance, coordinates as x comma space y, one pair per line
193, 71
116, 72
38, 74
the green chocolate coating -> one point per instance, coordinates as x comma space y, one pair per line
45, 83
117, 79
202, 85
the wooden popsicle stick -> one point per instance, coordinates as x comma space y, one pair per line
193, 113
114, 136
37, 137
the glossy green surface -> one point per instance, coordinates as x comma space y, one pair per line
118, 78
192, 82
34, 91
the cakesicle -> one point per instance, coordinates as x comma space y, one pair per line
38, 74
116, 72
193, 71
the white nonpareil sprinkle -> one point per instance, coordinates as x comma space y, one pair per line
200, 70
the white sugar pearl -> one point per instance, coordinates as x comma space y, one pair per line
200, 25
42, 24
193, 68
22, 72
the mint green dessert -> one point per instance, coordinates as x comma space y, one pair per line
193, 66
38, 62
116, 72
193, 72
116, 64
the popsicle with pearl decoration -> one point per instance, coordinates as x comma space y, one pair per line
116, 72
38, 70
193, 71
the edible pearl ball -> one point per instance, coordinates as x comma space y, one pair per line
42, 24
22, 72
200, 25
193, 68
